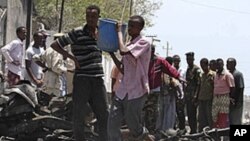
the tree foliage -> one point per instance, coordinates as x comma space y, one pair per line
48, 11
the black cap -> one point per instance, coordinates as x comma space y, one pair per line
190, 54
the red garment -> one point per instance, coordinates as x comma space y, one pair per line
13, 78
158, 66
222, 121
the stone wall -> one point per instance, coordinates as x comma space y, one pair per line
3, 3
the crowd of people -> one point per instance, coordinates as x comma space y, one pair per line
150, 94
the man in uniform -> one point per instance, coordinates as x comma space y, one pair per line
191, 91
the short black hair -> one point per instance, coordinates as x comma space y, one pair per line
176, 57
219, 60
19, 29
232, 60
90, 7
169, 59
212, 61
204, 60
140, 19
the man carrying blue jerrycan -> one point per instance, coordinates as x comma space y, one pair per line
133, 89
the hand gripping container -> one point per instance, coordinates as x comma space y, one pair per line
107, 35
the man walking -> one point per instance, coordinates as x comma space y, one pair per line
88, 82
131, 94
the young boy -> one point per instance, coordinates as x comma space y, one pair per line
130, 96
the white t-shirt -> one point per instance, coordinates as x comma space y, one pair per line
36, 69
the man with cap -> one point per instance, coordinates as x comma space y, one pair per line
44, 39
45, 35
191, 91
55, 68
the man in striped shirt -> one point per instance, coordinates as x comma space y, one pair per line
88, 83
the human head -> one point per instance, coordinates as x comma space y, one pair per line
38, 38
204, 64
220, 64
176, 61
169, 59
92, 15
190, 58
21, 33
231, 64
212, 64
45, 35
135, 25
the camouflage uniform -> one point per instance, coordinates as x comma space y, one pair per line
205, 100
151, 111
191, 90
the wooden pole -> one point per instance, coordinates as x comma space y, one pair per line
167, 49
28, 23
131, 8
61, 17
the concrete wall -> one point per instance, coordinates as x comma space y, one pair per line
3, 3
16, 16
3, 13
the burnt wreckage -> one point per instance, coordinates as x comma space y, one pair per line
27, 114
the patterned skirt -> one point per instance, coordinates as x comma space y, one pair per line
220, 110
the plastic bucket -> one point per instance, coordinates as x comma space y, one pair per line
107, 35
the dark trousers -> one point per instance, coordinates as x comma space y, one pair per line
130, 110
180, 110
192, 115
205, 114
235, 114
151, 111
89, 90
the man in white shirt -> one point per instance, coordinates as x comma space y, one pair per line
34, 71
13, 52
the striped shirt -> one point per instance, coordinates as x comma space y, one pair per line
84, 48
